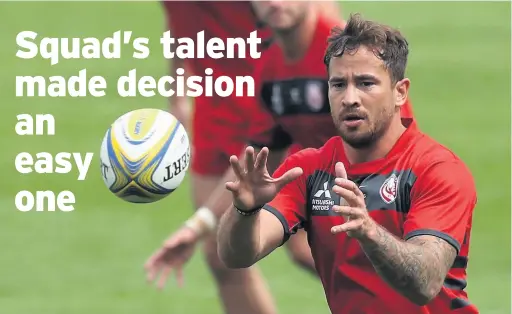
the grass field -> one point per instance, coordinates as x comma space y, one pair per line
90, 260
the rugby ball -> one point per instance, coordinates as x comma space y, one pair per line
145, 155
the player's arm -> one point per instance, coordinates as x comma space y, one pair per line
442, 202
244, 239
179, 106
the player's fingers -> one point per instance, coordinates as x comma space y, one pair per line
351, 186
348, 226
151, 273
163, 276
349, 196
288, 177
233, 187
150, 262
340, 171
235, 165
179, 276
261, 159
346, 211
151, 266
249, 158
347, 184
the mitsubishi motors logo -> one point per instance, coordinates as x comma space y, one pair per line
323, 191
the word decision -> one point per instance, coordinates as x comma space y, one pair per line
46, 163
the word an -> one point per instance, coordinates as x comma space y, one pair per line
25, 125
54, 49
223, 86
25, 201
61, 163
58, 86
215, 48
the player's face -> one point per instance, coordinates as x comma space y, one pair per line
281, 15
362, 97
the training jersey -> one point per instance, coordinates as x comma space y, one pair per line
295, 96
419, 188
220, 19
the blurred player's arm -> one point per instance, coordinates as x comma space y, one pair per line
243, 240
442, 201
179, 106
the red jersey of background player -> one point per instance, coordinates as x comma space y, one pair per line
219, 124
295, 96
419, 188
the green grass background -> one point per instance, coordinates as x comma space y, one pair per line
90, 260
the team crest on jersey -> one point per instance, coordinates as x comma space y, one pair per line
314, 96
389, 189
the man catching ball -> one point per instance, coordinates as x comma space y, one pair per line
387, 209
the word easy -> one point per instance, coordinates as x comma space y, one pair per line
47, 163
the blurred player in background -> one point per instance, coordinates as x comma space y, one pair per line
388, 210
219, 129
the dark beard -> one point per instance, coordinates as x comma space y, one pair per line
360, 142
368, 139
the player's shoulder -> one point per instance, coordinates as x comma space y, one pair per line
429, 156
433, 151
327, 24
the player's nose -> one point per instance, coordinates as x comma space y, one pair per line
350, 97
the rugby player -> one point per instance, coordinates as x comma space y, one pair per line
302, 27
387, 209
219, 129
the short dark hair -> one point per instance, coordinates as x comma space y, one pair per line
387, 43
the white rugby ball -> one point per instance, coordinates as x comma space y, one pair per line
145, 155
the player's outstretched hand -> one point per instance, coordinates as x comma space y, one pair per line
254, 187
173, 255
353, 207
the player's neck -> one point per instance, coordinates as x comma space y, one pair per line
380, 148
295, 43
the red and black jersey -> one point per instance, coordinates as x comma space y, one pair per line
419, 188
218, 19
295, 96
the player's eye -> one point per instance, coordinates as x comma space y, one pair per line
338, 85
367, 83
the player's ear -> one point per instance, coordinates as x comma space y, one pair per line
402, 91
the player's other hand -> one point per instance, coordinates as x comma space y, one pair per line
358, 222
254, 187
180, 109
172, 256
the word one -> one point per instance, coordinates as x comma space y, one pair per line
26, 201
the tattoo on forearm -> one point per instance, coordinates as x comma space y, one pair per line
415, 268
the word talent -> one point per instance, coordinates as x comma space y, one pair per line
55, 49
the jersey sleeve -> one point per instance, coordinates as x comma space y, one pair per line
442, 203
289, 204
